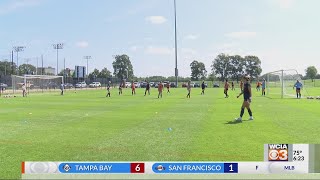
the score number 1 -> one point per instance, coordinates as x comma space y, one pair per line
230, 167
136, 167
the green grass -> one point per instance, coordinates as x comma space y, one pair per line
86, 126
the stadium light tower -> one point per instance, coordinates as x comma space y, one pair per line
27, 60
57, 47
18, 49
175, 41
5, 66
87, 58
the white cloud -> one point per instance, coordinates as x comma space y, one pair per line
156, 19
191, 37
188, 51
134, 48
82, 44
17, 4
159, 50
229, 45
241, 34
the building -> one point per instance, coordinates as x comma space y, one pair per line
46, 71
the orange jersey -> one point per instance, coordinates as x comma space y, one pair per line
133, 86
160, 87
226, 85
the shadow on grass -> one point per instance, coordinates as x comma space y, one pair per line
235, 122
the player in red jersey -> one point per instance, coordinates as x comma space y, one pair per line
160, 89
168, 87
226, 88
133, 88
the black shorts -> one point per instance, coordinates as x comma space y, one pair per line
298, 89
246, 98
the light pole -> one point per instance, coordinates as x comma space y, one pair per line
18, 49
175, 40
27, 67
57, 47
5, 67
87, 58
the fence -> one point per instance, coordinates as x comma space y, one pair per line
115, 83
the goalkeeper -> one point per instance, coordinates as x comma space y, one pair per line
298, 87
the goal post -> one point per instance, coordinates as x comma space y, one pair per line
36, 83
281, 82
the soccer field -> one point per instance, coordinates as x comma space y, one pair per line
87, 126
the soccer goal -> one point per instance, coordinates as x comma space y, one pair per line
280, 83
36, 83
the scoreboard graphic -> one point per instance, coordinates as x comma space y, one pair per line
278, 159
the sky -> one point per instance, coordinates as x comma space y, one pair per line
284, 34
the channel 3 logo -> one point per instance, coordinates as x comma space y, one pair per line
278, 152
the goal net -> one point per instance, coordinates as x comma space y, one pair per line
280, 83
36, 83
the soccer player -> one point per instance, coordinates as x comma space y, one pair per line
298, 87
62, 88
232, 86
258, 85
160, 89
147, 89
203, 86
189, 89
247, 98
120, 88
168, 87
241, 85
226, 88
263, 87
24, 92
108, 90
133, 87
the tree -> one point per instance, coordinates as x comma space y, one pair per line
253, 66
211, 77
94, 74
104, 73
27, 69
64, 72
221, 66
122, 67
6, 68
311, 72
198, 70
237, 67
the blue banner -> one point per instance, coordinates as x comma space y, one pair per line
94, 168
188, 168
